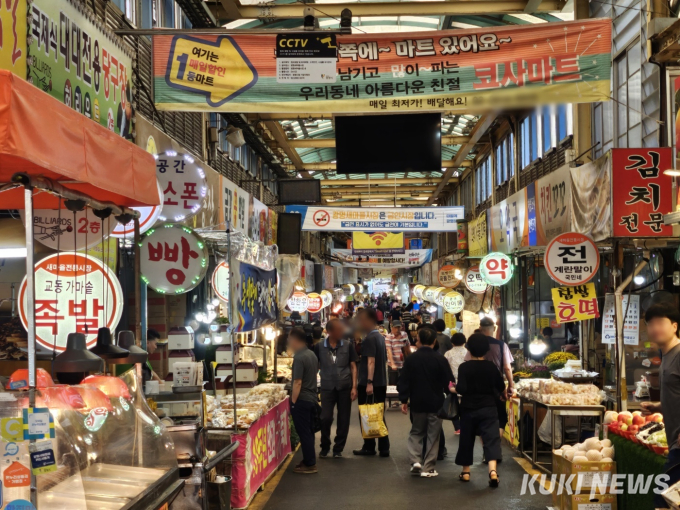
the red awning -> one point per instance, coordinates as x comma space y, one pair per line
41, 136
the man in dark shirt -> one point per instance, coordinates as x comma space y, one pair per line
444, 341
395, 314
338, 367
663, 320
303, 399
425, 378
372, 385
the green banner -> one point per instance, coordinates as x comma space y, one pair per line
79, 63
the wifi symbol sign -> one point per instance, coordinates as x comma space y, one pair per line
378, 237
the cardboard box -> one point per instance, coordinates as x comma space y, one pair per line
585, 502
586, 471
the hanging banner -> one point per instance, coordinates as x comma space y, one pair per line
474, 281
220, 281
74, 293
81, 63
642, 192
61, 230
236, 206
183, 183
298, 302
573, 304
258, 218
389, 219
13, 36
591, 200
572, 259
509, 223
308, 275
255, 297
427, 274
377, 243
553, 205
449, 276
479, 244
454, 302
631, 325
328, 277
174, 258
462, 237
496, 269
452, 70
412, 258
107, 253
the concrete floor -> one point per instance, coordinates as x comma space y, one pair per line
376, 483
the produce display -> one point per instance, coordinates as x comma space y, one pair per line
249, 406
648, 431
557, 360
590, 450
559, 393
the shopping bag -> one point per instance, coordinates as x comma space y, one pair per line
372, 423
450, 409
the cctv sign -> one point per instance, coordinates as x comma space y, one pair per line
306, 58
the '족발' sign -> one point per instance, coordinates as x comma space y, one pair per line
74, 293
572, 259
174, 258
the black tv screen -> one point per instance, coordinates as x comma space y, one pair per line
388, 143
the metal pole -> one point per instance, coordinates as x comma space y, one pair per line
30, 309
14, 300
231, 324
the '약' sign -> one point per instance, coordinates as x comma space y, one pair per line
496, 269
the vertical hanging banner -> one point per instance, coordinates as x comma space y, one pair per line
81, 63
631, 325
479, 244
553, 205
13, 36
510, 223
255, 297
573, 304
452, 70
75, 293
377, 243
642, 192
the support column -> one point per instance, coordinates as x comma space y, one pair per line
583, 138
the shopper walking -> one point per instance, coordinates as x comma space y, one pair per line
663, 320
480, 384
372, 384
425, 378
455, 356
303, 399
443, 340
338, 369
394, 343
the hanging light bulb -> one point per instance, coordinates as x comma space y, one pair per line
639, 279
537, 346
215, 302
199, 316
512, 319
515, 332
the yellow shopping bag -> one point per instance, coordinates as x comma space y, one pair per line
372, 423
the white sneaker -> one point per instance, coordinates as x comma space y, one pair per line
416, 469
429, 474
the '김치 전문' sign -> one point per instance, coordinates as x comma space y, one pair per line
574, 304
643, 193
474, 281
572, 259
74, 293
496, 269
454, 302
255, 297
183, 183
60, 230
174, 258
220, 281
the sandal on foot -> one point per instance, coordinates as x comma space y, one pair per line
462, 478
493, 482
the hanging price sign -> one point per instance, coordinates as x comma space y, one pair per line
454, 302
474, 281
496, 269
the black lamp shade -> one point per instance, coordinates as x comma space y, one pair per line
126, 340
106, 349
76, 357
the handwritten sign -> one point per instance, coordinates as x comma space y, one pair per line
573, 304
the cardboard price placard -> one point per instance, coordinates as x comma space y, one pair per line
573, 304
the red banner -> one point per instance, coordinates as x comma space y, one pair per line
642, 194
261, 450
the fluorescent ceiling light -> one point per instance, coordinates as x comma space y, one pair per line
12, 253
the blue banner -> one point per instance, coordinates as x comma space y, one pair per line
255, 300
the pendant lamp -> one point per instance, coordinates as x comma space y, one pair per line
126, 340
76, 357
106, 349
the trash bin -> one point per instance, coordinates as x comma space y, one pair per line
219, 493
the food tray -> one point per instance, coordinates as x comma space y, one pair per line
577, 379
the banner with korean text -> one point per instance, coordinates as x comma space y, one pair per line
13, 36
377, 243
573, 304
477, 234
387, 219
412, 258
255, 296
465, 70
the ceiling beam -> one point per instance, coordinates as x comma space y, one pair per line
375, 182
532, 6
309, 143
367, 195
311, 116
478, 131
375, 189
447, 163
426, 8
282, 140
377, 203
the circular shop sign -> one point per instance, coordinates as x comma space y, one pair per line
183, 183
314, 302
174, 258
454, 302
326, 298
572, 259
74, 293
428, 294
448, 276
220, 281
439, 295
474, 281
64, 233
298, 302
147, 218
418, 291
496, 269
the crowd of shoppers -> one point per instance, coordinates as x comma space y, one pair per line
355, 361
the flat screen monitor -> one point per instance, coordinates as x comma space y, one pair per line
367, 144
